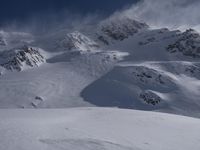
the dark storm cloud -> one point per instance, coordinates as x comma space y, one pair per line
167, 13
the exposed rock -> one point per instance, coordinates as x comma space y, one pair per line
77, 41
119, 29
150, 98
39, 98
19, 59
188, 44
150, 76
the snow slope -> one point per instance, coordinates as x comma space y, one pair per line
78, 41
159, 86
96, 128
122, 64
133, 67
58, 83
151, 77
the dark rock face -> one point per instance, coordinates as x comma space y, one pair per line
150, 76
150, 98
188, 44
20, 58
120, 29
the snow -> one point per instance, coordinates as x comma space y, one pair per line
122, 87
77, 41
96, 128
118, 63
21, 58
59, 81
128, 72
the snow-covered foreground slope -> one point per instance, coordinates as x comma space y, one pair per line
96, 128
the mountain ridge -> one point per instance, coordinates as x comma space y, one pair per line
142, 68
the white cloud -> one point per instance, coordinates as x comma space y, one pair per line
174, 14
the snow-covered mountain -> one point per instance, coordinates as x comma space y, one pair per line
188, 44
118, 28
151, 77
77, 41
21, 58
120, 62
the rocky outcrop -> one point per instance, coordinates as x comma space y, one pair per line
188, 44
119, 29
77, 41
147, 75
19, 59
150, 98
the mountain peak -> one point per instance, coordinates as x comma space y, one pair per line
77, 41
119, 28
21, 58
188, 44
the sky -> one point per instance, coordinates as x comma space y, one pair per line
22, 9
173, 14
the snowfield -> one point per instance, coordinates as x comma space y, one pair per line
96, 128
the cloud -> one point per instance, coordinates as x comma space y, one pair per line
174, 14
43, 23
